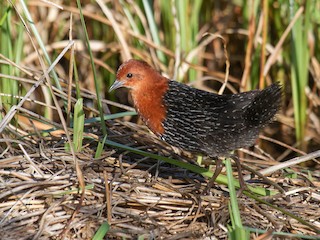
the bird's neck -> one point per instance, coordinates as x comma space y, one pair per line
148, 101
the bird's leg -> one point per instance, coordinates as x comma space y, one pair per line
243, 185
216, 173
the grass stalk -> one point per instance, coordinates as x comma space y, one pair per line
39, 41
78, 125
299, 68
153, 28
236, 230
102, 231
96, 83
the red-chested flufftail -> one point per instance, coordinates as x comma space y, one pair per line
196, 120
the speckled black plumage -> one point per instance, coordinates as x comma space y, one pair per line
212, 124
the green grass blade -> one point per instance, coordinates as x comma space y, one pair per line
18, 51
236, 231
111, 116
78, 123
299, 68
74, 190
130, 18
7, 86
39, 41
100, 147
102, 231
96, 83
284, 235
233, 195
153, 28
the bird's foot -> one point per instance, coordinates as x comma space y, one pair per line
243, 187
207, 189
216, 173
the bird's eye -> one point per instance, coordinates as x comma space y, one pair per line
129, 75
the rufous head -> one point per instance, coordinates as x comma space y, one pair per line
147, 90
133, 74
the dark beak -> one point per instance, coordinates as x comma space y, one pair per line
117, 84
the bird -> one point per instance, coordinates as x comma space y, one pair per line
194, 120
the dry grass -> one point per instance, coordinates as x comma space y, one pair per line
39, 194
40, 179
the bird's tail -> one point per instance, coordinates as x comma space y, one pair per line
264, 106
